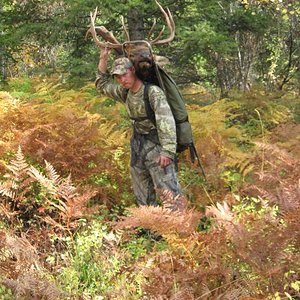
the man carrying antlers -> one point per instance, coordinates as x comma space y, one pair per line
153, 144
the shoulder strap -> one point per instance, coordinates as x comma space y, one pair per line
149, 110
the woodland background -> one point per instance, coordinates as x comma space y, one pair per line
69, 225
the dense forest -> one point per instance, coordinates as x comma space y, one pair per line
70, 227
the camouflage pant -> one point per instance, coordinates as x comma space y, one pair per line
146, 173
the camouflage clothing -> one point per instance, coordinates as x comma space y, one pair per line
165, 123
149, 141
146, 173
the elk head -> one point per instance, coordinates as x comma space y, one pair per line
140, 51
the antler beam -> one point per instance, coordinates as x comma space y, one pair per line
171, 25
111, 41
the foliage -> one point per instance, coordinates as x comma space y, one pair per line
234, 236
55, 126
29, 196
223, 44
22, 272
248, 246
94, 266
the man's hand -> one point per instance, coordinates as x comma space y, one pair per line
104, 54
164, 161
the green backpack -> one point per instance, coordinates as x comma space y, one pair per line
183, 127
177, 105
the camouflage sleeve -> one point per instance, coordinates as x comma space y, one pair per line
165, 122
105, 85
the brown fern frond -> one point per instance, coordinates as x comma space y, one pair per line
278, 153
52, 174
171, 277
32, 286
279, 181
268, 178
21, 271
66, 189
222, 214
161, 220
172, 202
43, 180
52, 222
17, 253
18, 166
6, 212
53, 183
77, 206
264, 194
7, 189
17, 180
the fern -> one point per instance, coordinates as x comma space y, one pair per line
279, 181
18, 166
161, 220
21, 271
60, 197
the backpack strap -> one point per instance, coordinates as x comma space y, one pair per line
149, 111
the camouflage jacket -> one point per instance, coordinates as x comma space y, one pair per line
165, 123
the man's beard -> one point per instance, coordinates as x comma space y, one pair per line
146, 72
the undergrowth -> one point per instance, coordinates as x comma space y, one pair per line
70, 229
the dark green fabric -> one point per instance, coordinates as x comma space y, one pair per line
173, 95
177, 105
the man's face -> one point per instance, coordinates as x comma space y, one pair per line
127, 80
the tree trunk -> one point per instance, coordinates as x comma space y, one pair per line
136, 24
3, 57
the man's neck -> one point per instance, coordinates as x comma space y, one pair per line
136, 86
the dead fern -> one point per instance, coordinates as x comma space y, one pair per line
172, 218
278, 180
262, 242
61, 200
18, 180
163, 221
21, 271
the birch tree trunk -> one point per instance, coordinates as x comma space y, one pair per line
2, 56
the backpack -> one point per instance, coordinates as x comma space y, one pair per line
175, 100
183, 127
177, 105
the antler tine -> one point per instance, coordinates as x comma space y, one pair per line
151, 29
159, 35
92, 30
170, 23
125, 30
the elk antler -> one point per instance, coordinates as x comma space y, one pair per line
111, 41
125, 30
170, 23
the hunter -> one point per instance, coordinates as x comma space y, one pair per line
153, 144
